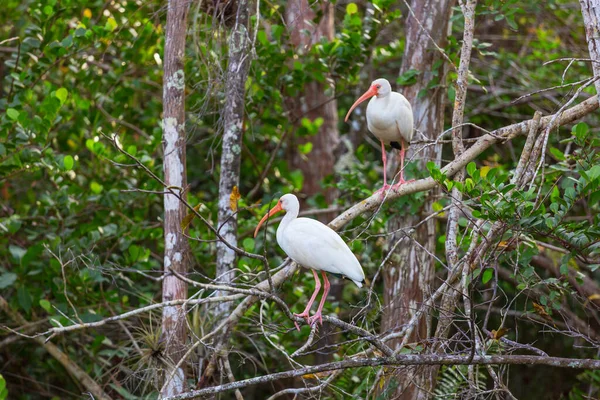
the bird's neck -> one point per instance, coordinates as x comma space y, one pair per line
383, 99
287, 218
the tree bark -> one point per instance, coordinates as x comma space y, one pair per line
408, 275
590, 9
233, 117
174, 164
315, 103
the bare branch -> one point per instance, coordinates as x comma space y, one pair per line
401, 360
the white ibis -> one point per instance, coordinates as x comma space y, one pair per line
390, 119
313, 245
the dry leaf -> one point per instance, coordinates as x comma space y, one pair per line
591, 298
233, 198
187, 220
541, 311
497, 334
318, 375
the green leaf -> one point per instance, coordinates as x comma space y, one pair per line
7, 279
351, 8
305, 148
3, 389
487, 275
451, 94
134, 252
248, 244
277, 31
24, 298
559, 155
262, 38
297, 179
564, 269
68, 163
471, 167
45, 304
581, 130
408, 78
111, 24
16, 252
96, 187
511, 22
61, 94
555, 193
12, 114
593, 172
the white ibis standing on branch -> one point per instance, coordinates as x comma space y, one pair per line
313, 245
390, 119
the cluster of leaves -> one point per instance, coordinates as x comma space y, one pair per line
71, 240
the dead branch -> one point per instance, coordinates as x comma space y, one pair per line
401, 360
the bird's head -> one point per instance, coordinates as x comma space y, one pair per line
287, 202
379, 87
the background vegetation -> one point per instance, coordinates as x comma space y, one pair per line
81, 222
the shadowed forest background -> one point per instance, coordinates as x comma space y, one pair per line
142, 141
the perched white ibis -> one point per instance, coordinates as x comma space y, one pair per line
313, 245
390, 119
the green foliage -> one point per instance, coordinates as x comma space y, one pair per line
453, 382
3, 388
588, 387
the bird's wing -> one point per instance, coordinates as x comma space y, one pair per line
404, 117
315, 245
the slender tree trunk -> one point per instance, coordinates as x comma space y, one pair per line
590, 9
315, 103
407, 277
176, 244
233, 117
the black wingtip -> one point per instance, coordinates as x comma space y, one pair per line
396, 145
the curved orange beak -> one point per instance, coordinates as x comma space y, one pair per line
271, 212
367, 95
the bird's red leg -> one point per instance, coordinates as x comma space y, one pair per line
318, 316
305, 314
402, 153
384, 158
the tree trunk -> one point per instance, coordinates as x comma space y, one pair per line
590, 9
408, 275
176, 244
233, 117
315, 103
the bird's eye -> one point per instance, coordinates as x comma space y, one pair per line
378, 86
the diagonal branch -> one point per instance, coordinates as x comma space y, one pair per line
506, 133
